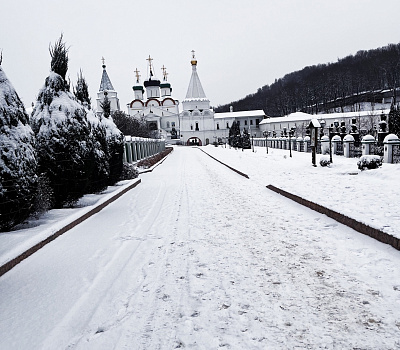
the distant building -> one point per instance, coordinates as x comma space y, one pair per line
196, 124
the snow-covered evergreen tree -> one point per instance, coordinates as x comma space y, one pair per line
17, 158
99, 154
106, 105
62, 132
115, 141
394, 120
246, 144
81, 91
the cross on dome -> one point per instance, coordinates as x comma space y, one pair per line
137, 75
165, 74
150, 65
104, 62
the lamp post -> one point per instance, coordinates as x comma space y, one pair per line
330, 143
291, 134
265, 133
252, 142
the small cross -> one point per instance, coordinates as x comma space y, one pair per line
149, 59
164, 69
103, 60
193, 54
137, 75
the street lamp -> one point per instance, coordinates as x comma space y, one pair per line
291, 134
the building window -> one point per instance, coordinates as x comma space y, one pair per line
257, 121
167, 124
245, 122
227, 125
251, 121
191, 127
197, 126
217, 126
173, 124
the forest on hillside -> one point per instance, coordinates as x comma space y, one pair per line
326, 87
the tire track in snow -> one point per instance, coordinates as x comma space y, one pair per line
85, 307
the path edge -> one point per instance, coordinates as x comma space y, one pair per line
358, 226
15, 261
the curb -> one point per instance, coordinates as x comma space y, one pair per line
10, 264
157, 164
235, 170
379, 235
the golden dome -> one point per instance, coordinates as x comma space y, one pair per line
193, 62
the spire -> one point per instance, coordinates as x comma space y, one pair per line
195, 90
105, 80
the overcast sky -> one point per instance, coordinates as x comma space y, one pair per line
240, 45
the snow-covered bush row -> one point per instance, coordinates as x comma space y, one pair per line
78, 152
63, 152
369, 162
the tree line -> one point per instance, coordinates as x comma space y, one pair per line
328, 87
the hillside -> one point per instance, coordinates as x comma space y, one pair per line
363, 77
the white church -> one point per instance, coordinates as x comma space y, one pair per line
195, 124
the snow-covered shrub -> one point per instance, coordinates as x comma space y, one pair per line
98, 155
17, 158
62, 134
325, 161
369, 162
129, 172
115, 142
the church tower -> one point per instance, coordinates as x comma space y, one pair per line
107, 89
197, 118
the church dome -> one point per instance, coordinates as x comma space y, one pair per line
150, 82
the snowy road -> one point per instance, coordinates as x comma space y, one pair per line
200, 257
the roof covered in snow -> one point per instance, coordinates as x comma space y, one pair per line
195, 89
241, 114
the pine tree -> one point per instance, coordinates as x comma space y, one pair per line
99, 154
62, 133
394, 120
17, 158
115, 142
246, 144
106, 105
81, 91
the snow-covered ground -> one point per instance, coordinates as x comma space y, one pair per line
200, 257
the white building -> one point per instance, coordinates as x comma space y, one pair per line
158, 107
200, 125
196, 124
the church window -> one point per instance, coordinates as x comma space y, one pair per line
191, 127
245, 122
251, 121
197, 126
257, 121
217, 126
